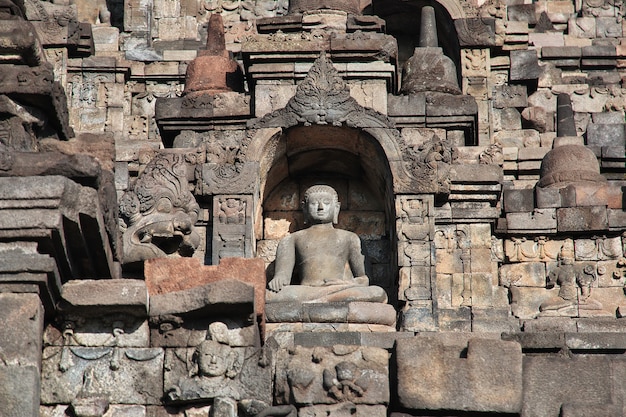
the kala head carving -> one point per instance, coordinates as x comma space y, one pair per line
160, 212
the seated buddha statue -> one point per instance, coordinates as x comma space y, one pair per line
319, 256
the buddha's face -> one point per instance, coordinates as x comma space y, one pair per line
210, 359
321, 207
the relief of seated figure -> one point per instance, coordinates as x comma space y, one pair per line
319, 255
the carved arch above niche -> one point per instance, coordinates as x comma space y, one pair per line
323, 99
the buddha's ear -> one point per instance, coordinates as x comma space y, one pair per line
336, 215
305, 211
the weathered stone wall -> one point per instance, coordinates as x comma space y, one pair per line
139, 173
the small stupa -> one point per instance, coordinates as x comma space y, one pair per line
570, 161
429, 69
213, 71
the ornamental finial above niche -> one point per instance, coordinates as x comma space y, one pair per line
322, 94
322, 98
159, 213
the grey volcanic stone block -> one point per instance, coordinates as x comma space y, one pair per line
595, 341
19, 391
536, 220
223, 296
466, 174
571, 219
432, 377
550, 382
606, 135
111, 295
547, 197
338, 312
522, 13
510, 96
537, 340
327, 339
581, 410
21, 327
517, 201
524, 65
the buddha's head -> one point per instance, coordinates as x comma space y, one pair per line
321, 205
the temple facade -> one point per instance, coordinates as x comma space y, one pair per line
370, 208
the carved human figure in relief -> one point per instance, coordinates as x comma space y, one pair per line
218, 365
570, 278
319, 255
215, 357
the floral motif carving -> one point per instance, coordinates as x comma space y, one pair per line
322, 98
429, 163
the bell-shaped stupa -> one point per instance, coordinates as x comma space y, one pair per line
569, 161
213, 71
429, 69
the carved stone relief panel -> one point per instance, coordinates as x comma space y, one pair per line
214, 369
160, 212
232, 226
467, 261
475, 62
120, 375
429, 163
180, 330
415, 232
338, 375
564, 278
541, 248
121, 330
226, 171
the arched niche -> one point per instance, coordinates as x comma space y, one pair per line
403, 19
350, 160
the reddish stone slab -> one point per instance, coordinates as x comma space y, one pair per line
164, 275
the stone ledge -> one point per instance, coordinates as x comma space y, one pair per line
342, 312
103, 296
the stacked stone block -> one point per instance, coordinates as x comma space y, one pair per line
470, 250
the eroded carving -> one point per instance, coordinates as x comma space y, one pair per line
345, 374
429, 163
344, 382
106, 372
322, 253
160, 212
216, 369
574, 286
492, 155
